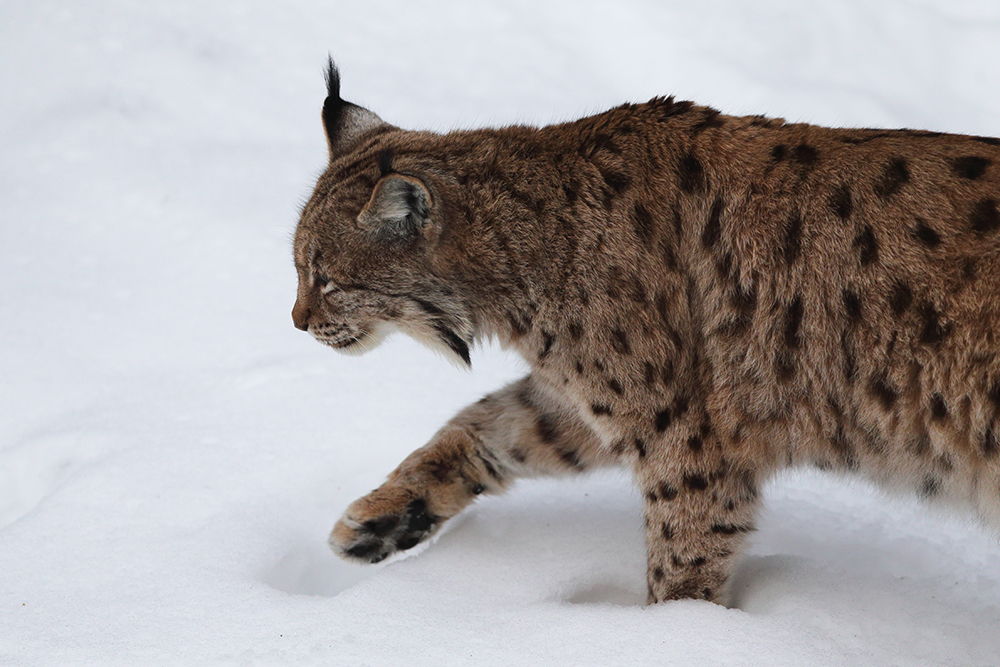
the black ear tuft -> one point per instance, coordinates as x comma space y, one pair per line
332, 76
344, 122
333, 106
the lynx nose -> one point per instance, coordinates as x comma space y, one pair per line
300, 316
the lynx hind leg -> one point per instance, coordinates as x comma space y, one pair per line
515, 432
698, 515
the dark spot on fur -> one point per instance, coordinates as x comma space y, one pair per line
805, 155
658, 574
970, 166
894, 177
843, 448
546, 428
692, 174
779, 152
921, 446
519, 324
901, 298
880, 388
985, 217
681, 404
615, 386
643, 224
637, 291
934, 332
990, 444
939, 410
792, 245
619, 341
571, 457
662, 420
994, 394
969, 268
605, 142
579, 367
667, 531
713, 228
867, 246
925, 234
695, 482
744, 299
667, 492
618, 182
518, 455
600, 410
695, 443
615, 282
842, 202
736, 326
852, 305
547, 341
640, 447
850, 361
650, 373
784, 365
698, 562
730, 529
599, 364
930, 487
575, 330
725, 267
793, 322
663, 308
713, 119
571, 191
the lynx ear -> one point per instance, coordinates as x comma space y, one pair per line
343, 122
400, 207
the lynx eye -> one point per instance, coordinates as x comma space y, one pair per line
320, 280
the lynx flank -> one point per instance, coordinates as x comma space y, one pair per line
704, 299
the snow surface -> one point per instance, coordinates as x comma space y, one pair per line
173, 452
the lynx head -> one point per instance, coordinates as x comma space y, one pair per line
368, 247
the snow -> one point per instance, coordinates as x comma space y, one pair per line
173, 452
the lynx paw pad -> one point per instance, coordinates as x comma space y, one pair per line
374, 540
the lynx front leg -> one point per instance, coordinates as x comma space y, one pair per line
699, 508
515, 432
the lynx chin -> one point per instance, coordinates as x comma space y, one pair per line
703, 299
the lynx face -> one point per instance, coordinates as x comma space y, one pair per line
366, 248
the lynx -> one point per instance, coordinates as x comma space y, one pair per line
703, 299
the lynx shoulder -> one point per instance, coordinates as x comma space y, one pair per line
703, 299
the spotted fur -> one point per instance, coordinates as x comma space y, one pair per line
704, 299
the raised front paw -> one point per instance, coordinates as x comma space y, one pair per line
372, 528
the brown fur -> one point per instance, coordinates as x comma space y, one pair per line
703, 298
